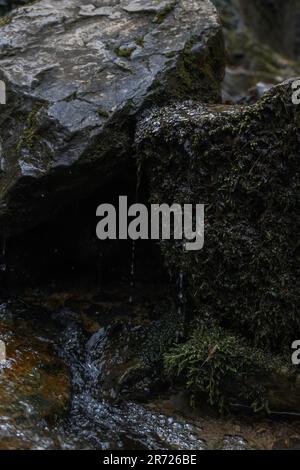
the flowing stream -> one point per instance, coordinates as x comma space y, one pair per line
89, 422
50, 394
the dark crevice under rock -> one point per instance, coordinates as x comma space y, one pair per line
64, 251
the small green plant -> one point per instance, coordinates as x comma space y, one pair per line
217, 364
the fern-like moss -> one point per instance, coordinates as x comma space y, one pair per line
221, 366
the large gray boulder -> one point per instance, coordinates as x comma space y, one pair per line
77, 75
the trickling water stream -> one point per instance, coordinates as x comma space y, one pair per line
105, 426
3, 257
51, 397
91, 421
133, 242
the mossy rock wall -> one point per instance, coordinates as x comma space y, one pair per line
243, 164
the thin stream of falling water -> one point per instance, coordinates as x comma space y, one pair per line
133, 242
4, 246
180, 294
3, 265
181, 311
132, 270
182, 308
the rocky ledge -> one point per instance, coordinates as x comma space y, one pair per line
77, 74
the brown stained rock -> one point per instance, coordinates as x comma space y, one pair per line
34, 382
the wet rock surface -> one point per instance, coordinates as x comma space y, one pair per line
121, 339
35, 385
77, 74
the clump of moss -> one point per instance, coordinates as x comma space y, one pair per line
140, 41
5, 21
161, 16
71, 97
243, 164
162, 334
102, 113
124, 52
30, 133
221, 366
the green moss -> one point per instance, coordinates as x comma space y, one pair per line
5, 21
30, 134
243, 163
5, 9
124, 52
221, 366
140, 41
71, 97
102, 113
161, 16
194, 76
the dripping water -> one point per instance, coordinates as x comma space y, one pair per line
180, 295
183, 273
132, 270
181, 310
133, 242
3, 264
